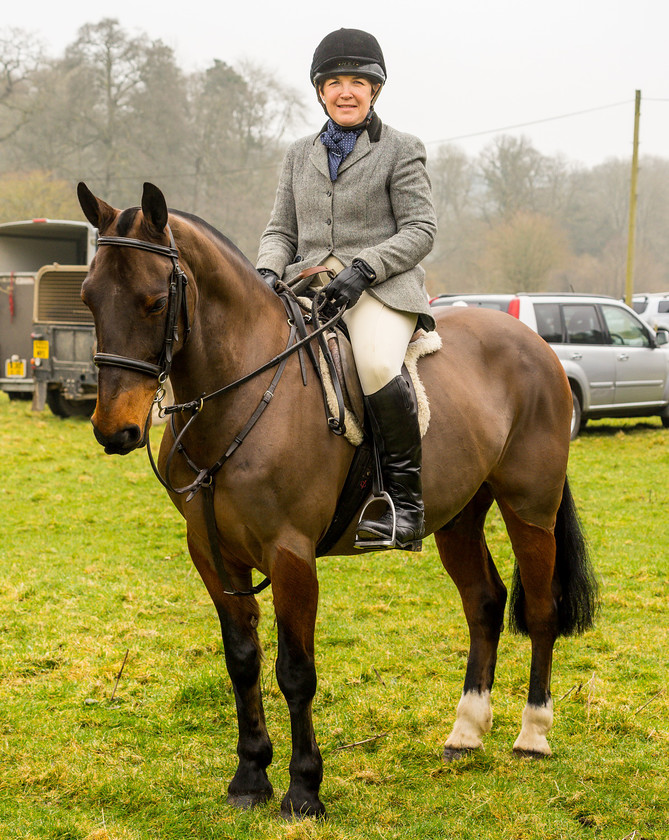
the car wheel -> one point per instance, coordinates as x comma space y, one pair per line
576, 421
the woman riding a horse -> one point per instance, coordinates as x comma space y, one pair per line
259, 489
356, 199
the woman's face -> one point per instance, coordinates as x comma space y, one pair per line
347, 99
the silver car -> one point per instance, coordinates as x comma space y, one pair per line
616, 364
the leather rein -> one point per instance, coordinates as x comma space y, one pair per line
177, 303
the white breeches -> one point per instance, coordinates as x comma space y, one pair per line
379, 338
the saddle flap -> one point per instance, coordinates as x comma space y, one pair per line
342, 355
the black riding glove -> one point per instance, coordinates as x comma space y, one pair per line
349, 284
270, 277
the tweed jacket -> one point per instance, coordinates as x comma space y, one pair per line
379, 209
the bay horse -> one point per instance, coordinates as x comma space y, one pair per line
500, 431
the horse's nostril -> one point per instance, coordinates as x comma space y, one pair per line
132, 434
122, 441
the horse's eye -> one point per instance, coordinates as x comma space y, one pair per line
158, 306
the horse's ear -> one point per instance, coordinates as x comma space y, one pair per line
98, 212
154, 207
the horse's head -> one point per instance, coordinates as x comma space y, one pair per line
132, 292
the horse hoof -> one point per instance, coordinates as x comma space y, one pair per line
312, 809
536, 756
453, 754
245, 801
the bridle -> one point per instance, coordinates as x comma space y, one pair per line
177, 302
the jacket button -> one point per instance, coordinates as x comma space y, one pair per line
328, 221
329, 193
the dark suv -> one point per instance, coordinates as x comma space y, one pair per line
616, 364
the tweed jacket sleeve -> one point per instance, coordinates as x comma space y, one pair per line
410, 197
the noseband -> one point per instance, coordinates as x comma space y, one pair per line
177, 302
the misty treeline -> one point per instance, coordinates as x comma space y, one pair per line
116, 110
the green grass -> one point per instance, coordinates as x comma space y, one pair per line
93, 564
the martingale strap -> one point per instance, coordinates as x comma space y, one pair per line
204, 481
216, 556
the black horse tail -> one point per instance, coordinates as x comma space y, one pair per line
578, 601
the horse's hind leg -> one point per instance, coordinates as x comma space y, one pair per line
465, 555
239, 618
536, 613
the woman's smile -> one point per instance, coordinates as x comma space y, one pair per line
347, 99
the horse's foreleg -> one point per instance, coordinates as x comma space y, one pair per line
534, 548
239, 618
295, 589
250, 785
464, 553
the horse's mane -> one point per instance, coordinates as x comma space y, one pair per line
127, 217
215, 234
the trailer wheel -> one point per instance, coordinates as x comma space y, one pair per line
61, 406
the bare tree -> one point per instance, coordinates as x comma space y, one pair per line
21, 56
513, 172
523, 251
238, 117
104, 69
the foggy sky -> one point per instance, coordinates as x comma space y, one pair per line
462, 70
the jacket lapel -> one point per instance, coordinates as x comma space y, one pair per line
361, 148
319, 154
319, 157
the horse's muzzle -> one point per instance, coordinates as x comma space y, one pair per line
122, 442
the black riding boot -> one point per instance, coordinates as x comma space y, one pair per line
393, 417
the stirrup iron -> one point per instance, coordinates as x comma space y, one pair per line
379, 542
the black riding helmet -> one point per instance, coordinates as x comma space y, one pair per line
349, 51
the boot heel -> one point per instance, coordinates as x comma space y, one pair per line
412, 545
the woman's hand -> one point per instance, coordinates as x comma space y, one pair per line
349, 284
270, 277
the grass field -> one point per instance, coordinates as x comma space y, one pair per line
93, 568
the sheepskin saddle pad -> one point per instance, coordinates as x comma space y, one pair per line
422, 344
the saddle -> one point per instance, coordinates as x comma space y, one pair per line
339, 377
344, 404
421, 344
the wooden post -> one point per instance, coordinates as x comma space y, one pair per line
629, 274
